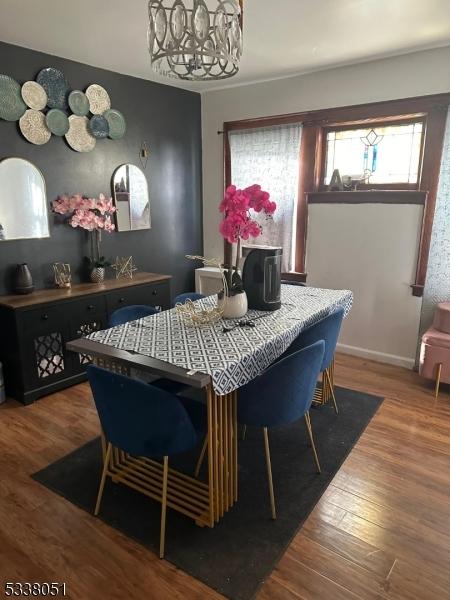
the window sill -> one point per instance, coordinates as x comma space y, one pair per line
368, 197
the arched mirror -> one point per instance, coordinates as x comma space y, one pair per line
23, 201
131, 198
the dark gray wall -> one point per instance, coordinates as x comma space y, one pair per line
168, 119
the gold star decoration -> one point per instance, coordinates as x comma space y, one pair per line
124, 267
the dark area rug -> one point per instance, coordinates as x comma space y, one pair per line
240, 552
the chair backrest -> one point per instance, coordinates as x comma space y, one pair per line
130, 313
326, 329
284, 392
139, 418
182, 298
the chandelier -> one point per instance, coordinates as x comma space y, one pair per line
188, 40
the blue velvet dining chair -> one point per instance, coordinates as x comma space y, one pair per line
326, 329
183, 298
143, 421
131, 313
282, 395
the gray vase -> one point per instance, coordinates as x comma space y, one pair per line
22, 281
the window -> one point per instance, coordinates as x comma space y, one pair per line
269, 156
381, 154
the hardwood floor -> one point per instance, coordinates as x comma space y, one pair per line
381, 530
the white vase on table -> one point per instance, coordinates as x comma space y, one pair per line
235, 306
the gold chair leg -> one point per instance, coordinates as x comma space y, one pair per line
201, 457
162, 537
438, 380
269, 473
244, 431
103, 479
330, 386
311, 439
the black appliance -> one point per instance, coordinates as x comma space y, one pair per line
261, 276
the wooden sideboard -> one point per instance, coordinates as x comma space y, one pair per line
34, 329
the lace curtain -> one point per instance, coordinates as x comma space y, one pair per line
270, 157
437, 285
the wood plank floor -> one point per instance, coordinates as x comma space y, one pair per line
381, 530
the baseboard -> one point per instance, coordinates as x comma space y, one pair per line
391, 359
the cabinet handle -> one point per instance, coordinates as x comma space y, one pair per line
121, 300
44, 317
154, 293
90, 307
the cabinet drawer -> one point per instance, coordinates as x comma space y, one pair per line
151, 295
43, 318
87, 307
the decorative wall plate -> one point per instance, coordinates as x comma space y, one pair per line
33, 127
78, 102
34, 95
116, 121
12, 107
57, 121
99, 126
56, 86
79, 137
98, 99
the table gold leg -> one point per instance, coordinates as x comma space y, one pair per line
226, 425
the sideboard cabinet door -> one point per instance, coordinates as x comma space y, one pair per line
45, 332
87, 315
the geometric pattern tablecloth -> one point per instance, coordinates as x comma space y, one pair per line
234, 358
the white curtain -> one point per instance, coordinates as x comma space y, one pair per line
437, 285
269, 156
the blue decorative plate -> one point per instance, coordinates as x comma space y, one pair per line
117, 124
79, 103
57, 121
12, 107
56, 86
99, 126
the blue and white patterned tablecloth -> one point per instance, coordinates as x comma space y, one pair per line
234, 358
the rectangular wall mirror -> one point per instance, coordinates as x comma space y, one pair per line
23, 201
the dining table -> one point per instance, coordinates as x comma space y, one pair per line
217, 358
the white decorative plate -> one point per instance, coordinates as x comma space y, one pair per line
79, 137
98, 99
34, 95
33, 127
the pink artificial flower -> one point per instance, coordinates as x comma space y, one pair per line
236, 204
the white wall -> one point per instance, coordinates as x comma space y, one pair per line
416, 74
370, 249
404, 76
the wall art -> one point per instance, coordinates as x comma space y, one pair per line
47, 106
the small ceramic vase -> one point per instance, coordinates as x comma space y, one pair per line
98, 275
234, 307
23, 282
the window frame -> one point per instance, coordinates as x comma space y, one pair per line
373, 125
432, 108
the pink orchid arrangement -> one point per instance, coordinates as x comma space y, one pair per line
88, 213
238, 223
236, 205
92, 214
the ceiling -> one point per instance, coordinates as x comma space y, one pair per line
281, 37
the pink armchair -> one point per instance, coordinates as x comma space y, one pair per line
435, 348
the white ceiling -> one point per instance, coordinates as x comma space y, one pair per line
281, 37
